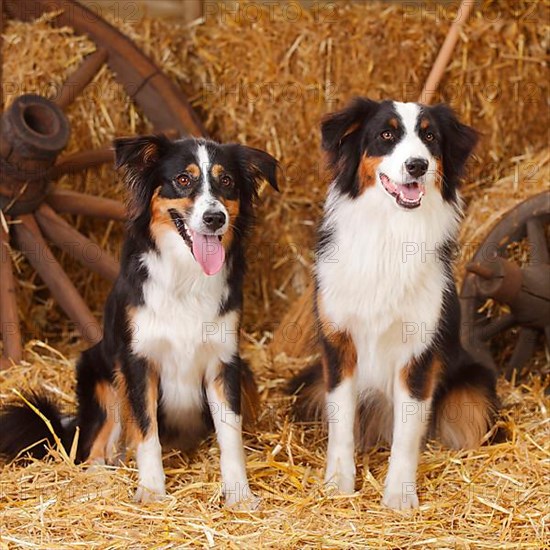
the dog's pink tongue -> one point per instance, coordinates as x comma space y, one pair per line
411, 192
208, 252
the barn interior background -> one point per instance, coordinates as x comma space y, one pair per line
264, 73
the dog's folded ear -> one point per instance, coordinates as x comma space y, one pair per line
262, 166
459, 141
138, 156
139, 152
342, 125
256, 166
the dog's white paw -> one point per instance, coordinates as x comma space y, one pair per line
151, 489
116, 459
238, 496
145, 495
250, 504
400, 499
340, 480
96, 466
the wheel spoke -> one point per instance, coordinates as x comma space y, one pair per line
537, 240
41, 258
146, 84
523, 351
11, 332
65, 201
498, 325
82, 249
81, 77
2, 15
76, 162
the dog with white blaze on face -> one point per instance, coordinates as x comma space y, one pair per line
168, 365
392, 367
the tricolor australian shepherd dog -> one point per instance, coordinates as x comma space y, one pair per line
386, 306
168, 365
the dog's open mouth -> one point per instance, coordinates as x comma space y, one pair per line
407, 195
208, 250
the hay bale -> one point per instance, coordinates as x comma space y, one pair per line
527, 175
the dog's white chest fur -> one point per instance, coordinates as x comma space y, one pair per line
381, 278
179, 326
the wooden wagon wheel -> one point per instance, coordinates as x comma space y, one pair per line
34, 131
525, 290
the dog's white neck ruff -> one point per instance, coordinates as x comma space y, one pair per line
381, 277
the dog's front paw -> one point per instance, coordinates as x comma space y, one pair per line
250, 504
96, 466
144, 495
401, 499
340, 479
150, 490
238, 496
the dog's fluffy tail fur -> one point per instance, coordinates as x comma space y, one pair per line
24, 433
250, 398
465, 403
308, 387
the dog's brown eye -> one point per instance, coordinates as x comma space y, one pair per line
387, 135
226, 181
429, 136
183, 179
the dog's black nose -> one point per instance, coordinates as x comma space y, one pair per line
416, 167
213, 219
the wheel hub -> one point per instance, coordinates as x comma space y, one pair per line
33, 132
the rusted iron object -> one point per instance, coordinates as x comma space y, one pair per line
524, 290
33, 133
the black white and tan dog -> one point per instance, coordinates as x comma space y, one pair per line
386, 307
168, 365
